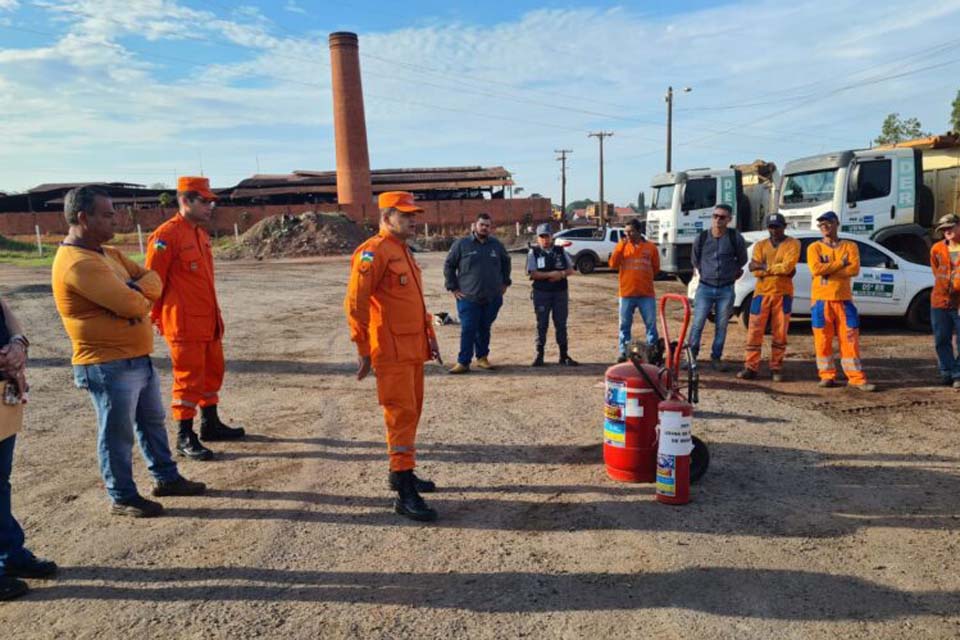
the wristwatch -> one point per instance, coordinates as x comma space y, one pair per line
22, 339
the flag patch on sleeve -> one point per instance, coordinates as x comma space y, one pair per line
160, 245
366, 256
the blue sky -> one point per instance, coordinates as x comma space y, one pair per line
143, 90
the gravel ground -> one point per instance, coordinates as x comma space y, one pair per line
824, 514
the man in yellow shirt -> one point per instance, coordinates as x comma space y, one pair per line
104, 300
774, 264
833, 263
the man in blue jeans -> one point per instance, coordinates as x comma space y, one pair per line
477, 273
16, 561
104, 300
718, 257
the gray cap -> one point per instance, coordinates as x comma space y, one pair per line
544, 229
775, 220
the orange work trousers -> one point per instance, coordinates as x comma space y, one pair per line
776, 309
197, 376
837, 318
400, 392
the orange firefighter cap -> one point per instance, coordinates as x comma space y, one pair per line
399, 200
198, 184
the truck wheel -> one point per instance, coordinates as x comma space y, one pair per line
586, 263
918, 313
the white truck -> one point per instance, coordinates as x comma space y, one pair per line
877, 193
683, 202
589, 247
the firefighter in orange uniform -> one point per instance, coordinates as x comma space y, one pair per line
833, 264
188, 317
394, 334
774, 264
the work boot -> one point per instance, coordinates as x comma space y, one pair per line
408, 502
538, 361
33, 568
137, 507
179, 487
211, 429
483, 363
718, 365
422, 485
866, 387
827, 383
777, 376
747, 374
11, 588
460, 368
566, 360
188, 444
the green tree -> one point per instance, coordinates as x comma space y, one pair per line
895, 129
955, 114
166, 200
578, 204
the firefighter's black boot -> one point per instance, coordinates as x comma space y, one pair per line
566, 360
408, 502
538, 361
211, 429
188, 445
422, 484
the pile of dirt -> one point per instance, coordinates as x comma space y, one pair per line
308, 234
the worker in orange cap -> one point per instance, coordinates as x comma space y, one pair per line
188, 316
774, 264
394, 335
833, 264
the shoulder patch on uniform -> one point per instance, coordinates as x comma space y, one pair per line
160, 245
366, 256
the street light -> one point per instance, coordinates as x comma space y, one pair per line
669, 99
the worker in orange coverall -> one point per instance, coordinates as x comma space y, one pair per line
188, 317
833, 264
394, 334
774, 264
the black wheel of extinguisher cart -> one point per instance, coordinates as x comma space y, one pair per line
699, 459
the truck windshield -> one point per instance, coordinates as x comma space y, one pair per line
663, 196
803, 189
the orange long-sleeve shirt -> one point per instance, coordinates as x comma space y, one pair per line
181, 254
105, 318
781, 262
638, 264
946, 276
384, 304
831, 278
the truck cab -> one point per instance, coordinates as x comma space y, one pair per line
876, 193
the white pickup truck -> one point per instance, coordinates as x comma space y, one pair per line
589, 247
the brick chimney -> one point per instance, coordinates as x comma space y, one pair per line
349, 122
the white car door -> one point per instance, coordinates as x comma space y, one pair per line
878, 290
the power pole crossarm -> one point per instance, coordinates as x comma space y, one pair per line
600, 135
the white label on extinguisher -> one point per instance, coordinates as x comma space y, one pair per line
634, 409
676, 438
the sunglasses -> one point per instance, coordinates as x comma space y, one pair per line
720, 217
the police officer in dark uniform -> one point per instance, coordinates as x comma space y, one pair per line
549, 267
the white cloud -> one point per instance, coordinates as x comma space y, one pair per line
9, 5
293, 7
466, 94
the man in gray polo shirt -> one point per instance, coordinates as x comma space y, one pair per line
477, 273
719, 255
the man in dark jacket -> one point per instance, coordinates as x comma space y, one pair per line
477, 273
718, 257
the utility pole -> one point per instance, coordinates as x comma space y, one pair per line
669, 100
600, 135
563, 180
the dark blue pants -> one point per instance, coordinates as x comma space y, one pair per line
545, 304
11, 535
946, 328
476, 318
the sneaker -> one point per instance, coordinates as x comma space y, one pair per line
179, 487
827, 383
866, 387
11, 588
33, 568
138, 507
776, 376
718, 365
483, 363
460, 368
747, 374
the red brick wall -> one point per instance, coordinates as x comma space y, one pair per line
452, 214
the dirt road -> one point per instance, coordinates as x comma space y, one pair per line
824, 513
